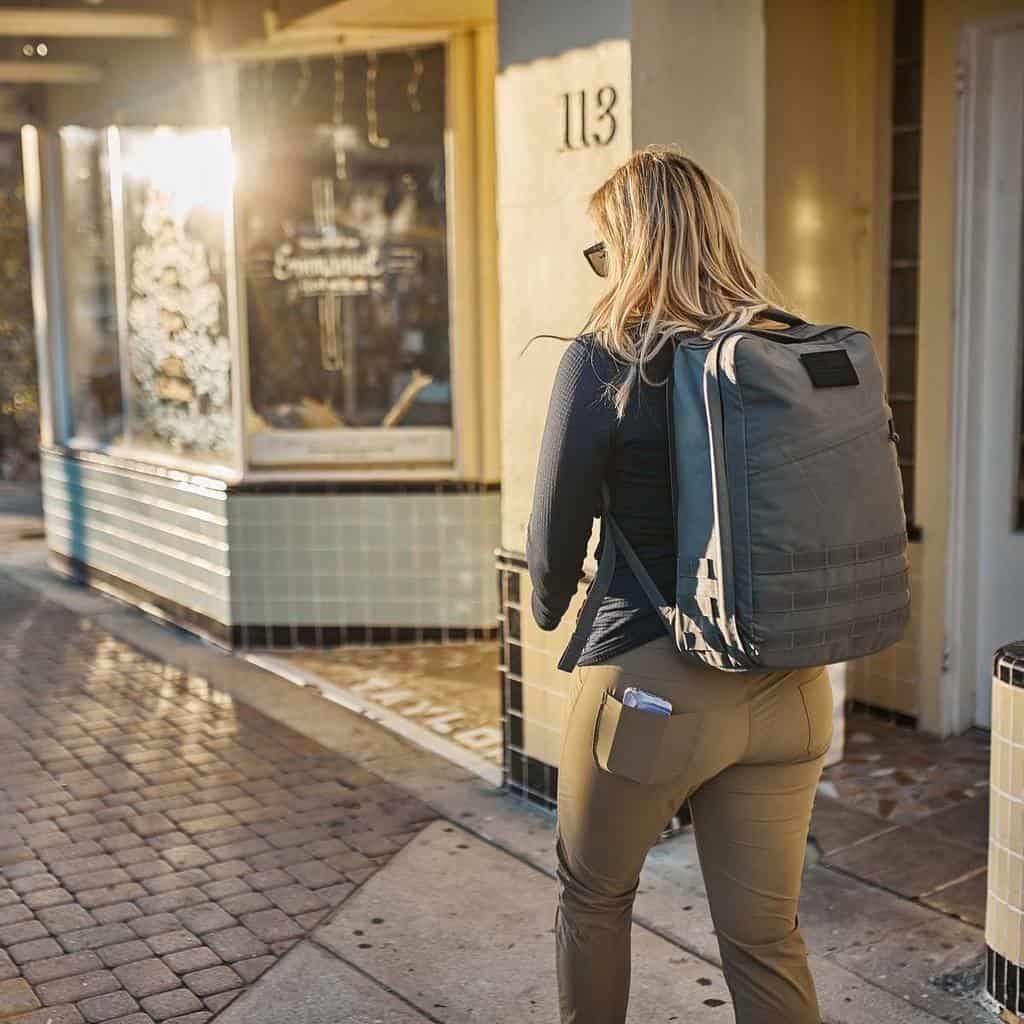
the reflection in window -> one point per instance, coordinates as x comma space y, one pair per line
176, 201
94, 368
343, 169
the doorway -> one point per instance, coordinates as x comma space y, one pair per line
985, 583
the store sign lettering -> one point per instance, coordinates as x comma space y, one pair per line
588, 120
340, 266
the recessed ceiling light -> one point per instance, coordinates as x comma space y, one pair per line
42, 49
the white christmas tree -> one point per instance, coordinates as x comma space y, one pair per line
180, 360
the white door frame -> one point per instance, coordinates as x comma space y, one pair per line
959, 688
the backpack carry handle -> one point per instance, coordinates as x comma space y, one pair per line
774, 313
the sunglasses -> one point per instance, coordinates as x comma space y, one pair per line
597, 256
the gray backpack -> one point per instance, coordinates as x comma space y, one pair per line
790, 530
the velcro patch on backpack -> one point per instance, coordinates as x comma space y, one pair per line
831, 369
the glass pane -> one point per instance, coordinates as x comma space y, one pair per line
903, 364
903, 296
343, 193
94, 362
904, 229
906, 161
176, 205
907, 474
908, 21
906, 93
903, 414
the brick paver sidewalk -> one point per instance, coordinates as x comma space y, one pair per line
160, 844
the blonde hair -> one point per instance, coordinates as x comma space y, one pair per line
675, 262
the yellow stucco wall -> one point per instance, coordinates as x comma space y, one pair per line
681, 97
823, 212
827, 213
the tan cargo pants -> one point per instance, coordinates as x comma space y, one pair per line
747, 751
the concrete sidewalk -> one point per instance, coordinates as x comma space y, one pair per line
454, 920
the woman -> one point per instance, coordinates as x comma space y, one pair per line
670, 250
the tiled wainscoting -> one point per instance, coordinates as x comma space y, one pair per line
1004, 913
280, 565
163, 535
534, 690
403, 558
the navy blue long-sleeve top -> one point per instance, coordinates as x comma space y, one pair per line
585, 444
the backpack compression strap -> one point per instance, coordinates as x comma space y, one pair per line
612, 537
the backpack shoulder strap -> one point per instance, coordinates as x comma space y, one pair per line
612, 537
665, 612
588, 610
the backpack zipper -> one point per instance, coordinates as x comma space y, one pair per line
720, 490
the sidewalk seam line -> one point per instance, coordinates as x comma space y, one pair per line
965, 877
860, 841
376, 981
915, 900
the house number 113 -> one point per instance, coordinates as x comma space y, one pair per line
588, 120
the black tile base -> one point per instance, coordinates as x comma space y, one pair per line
529, 778
290, 636
523, 775
861, 707
1003, 981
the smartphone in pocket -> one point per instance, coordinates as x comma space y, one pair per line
642, 700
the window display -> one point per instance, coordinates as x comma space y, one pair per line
94, 365
176, 201
344, 213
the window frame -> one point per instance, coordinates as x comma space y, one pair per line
460, 217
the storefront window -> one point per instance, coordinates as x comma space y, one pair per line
94, 368
343, 198
175, 203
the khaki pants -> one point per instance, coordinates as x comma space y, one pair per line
747, 751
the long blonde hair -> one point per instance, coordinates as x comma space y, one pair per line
675, 262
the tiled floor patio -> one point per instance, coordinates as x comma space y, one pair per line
909, 813
449, 689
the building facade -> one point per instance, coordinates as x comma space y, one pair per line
289, 257
272, 411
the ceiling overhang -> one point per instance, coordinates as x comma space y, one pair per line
84, 24
360, 25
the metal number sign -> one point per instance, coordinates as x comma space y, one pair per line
588, 120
